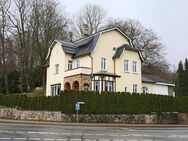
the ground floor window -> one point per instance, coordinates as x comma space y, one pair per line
55, 89
96, 85
125, 89
108, 86
145, 90
135, 87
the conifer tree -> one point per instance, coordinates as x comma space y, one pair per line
186, 77
180, 80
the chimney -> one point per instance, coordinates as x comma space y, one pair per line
70, 36
86, 30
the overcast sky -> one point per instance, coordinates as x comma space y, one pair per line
167, 18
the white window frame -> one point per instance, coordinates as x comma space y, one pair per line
56, 68
109, 86
103, 64
144, 90
134, 66
70, 64
55, 89
126, 65
135, 88
77, 63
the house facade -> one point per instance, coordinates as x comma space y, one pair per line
104, 61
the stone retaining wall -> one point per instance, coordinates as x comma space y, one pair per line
166, 118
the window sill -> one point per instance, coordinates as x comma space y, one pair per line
126, 72
135, 72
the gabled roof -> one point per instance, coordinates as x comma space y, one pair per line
86, 45
123, 47
155, 79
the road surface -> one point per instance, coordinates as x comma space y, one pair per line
48, 132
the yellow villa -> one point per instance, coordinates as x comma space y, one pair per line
104, 61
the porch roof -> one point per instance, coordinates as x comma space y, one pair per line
105, 73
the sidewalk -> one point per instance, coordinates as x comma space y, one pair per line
91, 124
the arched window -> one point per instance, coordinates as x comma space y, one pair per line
144, 89
75, 85
86, 87
67, 86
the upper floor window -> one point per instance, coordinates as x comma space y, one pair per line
70, 65
135, 87
76, 63
103, 64
56, 68
126, 65
134, 66
145, 90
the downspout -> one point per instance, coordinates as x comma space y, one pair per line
114, 72
91, 75
91, 65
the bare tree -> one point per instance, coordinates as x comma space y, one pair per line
22, 33
92, 15
4, 41
147, 42
48, 23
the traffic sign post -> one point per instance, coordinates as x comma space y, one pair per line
77, 108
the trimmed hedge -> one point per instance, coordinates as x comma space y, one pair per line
121, 103
31, 103
95, 103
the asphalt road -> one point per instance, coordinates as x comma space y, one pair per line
48, 132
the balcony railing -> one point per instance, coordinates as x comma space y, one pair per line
79, 70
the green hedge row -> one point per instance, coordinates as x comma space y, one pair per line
31, 103
120, 103
104, 103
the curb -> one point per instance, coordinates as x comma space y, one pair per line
90, 124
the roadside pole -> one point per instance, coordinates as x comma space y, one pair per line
77, 108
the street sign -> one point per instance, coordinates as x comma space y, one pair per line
77, 106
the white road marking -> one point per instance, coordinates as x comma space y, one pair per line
146, 140
48, 139
172, 136
104, 139
34, 139
32, 132
136, 135
113, 135
5, 138
42, 133
183, 136
19, 139
89, 134
131, 140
